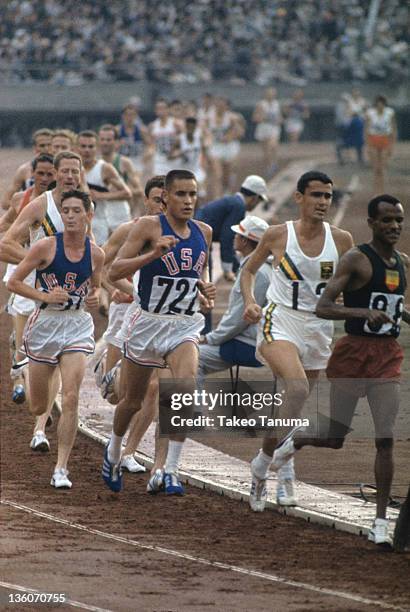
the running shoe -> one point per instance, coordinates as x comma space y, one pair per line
172, 484
19, 394
156, 482
98, 364
60, 479
107, 386
112, 474
259, 492
379, 533
18, 368
39, 442
130, 464
285, 492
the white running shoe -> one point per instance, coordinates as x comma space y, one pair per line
156, 482
259, 492
379, 533
60, 479
39, 442
285, 492
98, 362
130, 464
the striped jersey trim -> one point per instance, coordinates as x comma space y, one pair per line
289, 269
48, 226
267, 336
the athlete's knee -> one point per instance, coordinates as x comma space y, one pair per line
70, 399
384, 444
336, 443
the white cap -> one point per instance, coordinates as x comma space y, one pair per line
251, 227
257, 185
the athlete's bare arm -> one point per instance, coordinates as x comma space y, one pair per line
207, 288
406, 262
273, 242
39, 256
23, 172
353, 272
133, 177
97, 257
118, 189
146, 235
11, 249
343, 240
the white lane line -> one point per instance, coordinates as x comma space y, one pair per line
349, 191
68, 602
202, 561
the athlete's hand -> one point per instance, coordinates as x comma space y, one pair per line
205, 305
96, 195
164, 244
377, 318
56, 296
93, 298
120, 297
252, 313
207, 289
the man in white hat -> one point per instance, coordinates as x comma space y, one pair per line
233, 342
221, 214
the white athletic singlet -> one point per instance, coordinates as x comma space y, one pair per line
164, 137
272, 112
219, 125
94, 176
52, 222
191, 153
380, 125
298, 280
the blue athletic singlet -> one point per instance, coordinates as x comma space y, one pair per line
132, 145
168, 285
73, 277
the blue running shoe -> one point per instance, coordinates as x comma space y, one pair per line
172, 485
112, 474
156, 482
19, 394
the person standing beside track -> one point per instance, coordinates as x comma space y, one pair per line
291, 339
381, 136
367, 361
171, 251
60, 333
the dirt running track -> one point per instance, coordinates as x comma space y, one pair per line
132, 564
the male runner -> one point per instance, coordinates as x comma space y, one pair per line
60, 333
107, 188
171, 251
40, 218
291, 340
133, 136
164, 132
268, 118
367, 362
20, 308
23, 177
108, 145
62, 140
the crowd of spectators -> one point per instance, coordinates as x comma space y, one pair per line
180, 41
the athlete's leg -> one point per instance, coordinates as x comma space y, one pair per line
284, 361
134, 380
384, 400
54, 384
39, 377
144, 417
72, 368
112, 357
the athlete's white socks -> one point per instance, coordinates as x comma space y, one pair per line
114, 448
261, 464
173, 455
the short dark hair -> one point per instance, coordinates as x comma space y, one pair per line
87, 134
79, 195
381, 99
373, 206
178, 175
109, 127
155, 181
44, 157
66, 155
312, 175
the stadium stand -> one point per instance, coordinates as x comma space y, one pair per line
235, 40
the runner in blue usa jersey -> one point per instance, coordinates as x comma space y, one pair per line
59, 332
172, 253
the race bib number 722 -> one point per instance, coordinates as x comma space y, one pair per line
173, 295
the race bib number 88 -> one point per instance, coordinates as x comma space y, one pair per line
392, 305
173, 295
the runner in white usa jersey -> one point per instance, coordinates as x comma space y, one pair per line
292, 341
